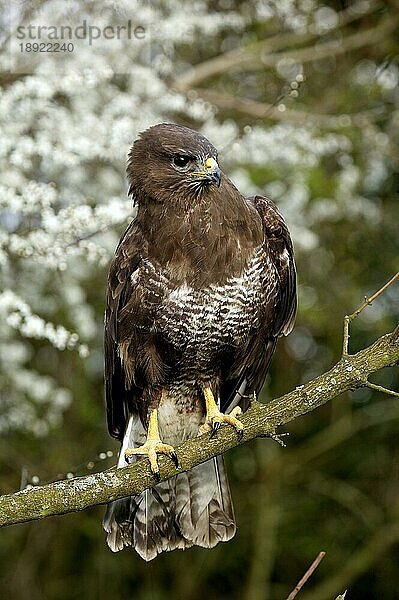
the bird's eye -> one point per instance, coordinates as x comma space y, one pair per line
181, 160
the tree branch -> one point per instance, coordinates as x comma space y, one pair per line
251, 56
329, 48
262, 110
261, 420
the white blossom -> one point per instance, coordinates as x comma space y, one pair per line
17, 314
65, 135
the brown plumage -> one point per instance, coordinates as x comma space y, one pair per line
202, 284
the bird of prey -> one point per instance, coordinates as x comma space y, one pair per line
202, 284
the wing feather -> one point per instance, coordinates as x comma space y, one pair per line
250, 367
119, 290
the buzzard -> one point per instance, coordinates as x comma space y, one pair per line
202, 284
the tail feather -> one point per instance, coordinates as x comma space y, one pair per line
193, 508
204, 507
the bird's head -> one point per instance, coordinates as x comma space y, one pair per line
172, 163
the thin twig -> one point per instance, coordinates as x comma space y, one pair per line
308, 573
380, 388
84, 238
370, 300
359, 562
367, 302
75, 242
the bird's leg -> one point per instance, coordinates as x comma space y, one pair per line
214, 418
153, 446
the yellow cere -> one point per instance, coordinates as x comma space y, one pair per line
210, 163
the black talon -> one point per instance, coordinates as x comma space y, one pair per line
175, 459
157, 476
240, 433
215, 427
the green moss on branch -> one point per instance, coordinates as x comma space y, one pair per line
351, 372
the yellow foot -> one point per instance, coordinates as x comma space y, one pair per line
214, 418
152, 447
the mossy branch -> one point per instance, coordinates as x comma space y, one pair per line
261, 420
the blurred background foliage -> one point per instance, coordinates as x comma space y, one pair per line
301, 98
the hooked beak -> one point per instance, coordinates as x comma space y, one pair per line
211, 172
